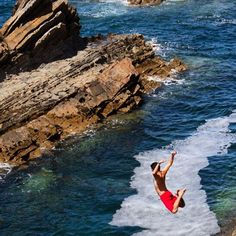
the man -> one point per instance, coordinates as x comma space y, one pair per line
171, 202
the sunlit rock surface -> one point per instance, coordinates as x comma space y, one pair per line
54, 86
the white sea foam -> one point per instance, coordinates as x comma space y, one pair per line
89, 132
160, 49
125, 2
5, 169
171, 80
170, 2
108, 8
106, 11
224, 21
157, 47
146, 210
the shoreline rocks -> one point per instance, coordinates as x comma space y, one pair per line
40, 107
61, 88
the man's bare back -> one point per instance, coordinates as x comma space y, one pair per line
160, 185
171, 202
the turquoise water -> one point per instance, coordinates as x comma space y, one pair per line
99, 183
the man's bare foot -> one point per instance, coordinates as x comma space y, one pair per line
180, 192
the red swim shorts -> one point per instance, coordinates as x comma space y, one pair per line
168, 199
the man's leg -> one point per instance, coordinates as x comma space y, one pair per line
177, 202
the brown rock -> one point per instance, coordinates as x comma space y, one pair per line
70, 116
155, 70
55, 34
36, 24
16, 144
149, 85
19, 5
4, 52
39, 107
19, 17
122, 73
15, 40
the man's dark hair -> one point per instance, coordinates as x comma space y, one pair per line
182, 203
153, 165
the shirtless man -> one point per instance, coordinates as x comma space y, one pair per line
171, 202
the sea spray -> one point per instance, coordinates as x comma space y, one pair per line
173, 79
5, 169
146, 210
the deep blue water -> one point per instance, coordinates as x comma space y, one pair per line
77, 188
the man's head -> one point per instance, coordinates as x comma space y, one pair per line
182, 203
153, 166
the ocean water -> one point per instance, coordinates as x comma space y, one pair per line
100, 183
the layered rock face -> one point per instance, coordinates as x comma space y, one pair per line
41, 105
35, 25
145, 2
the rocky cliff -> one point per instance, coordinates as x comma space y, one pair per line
36, 27
40, 105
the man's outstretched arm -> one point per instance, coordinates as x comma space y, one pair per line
170, 162
157, 167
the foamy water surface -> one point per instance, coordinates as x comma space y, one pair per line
5, 169
146, 210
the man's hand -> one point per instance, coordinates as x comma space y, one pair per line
173, 153
161, 161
